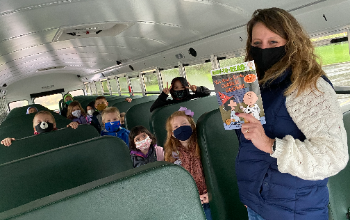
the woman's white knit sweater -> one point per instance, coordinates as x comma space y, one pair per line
324, 152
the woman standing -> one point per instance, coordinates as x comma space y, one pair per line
282, 167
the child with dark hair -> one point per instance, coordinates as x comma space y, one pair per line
143, 147
31, 110
180, 92
122, 119
90, 110
100, 104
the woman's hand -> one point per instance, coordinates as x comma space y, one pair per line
73, 125
255, 132
204, 198
7, 141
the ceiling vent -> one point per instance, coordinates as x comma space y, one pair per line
50, 68
91, 30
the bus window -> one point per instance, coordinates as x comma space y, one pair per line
136, 86
200, 75
151, 82
231, 61
49, 101
77, 92
114, 86
105, 87
16, 104
124, 86
168, 75
98, 87
335, 60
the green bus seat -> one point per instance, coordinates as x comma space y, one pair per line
118, 100
154, 191
16, 112
54, 171
39, 143
124, 106
159, 116
23, 127
60, 105
339, 185
219, 148
138, 115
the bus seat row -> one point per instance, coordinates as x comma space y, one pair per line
338, 185
219, 149
16, 112
22, 126
138, 115
39, 143
156, 191
37, 176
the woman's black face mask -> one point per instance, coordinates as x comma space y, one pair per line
266, 58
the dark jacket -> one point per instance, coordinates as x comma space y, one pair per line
139, 159
270, 193
162, 98
64, 110
95, 121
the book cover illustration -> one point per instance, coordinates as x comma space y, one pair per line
237, 90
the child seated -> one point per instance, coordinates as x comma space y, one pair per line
90, 109
31, 110
122, 119
96, 119
181, 148
43, 122
180, 92
111, 120
77, 113
143, 147
67, 99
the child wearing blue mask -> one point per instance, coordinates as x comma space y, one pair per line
180, 92
67, 99
111, 120
181, 148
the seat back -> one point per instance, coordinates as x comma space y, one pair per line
124, 106
23, 126
138, 115
17, 112
122, 99
39, 143
159, 116
338, 185
219, 148
154, 191
60, 105
64, 168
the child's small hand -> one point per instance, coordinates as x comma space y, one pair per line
192, 87
204, 198
167, 89
128, 99
7, 141
73, 125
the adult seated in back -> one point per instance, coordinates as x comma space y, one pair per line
180, 92
31, 110
43, 122
283, 166
67, 99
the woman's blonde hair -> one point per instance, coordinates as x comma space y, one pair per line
300, 56
172, 143
70, 109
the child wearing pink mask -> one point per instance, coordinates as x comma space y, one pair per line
143, 147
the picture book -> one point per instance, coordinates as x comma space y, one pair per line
237, 90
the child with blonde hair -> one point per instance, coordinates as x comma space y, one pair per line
43, 122
76, 113
111, 120
181, 148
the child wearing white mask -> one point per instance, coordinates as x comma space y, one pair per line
143, 147
77, 114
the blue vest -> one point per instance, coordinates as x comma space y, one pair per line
270, 193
